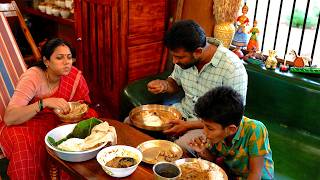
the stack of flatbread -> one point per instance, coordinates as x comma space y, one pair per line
100, 134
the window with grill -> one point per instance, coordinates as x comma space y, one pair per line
287, 24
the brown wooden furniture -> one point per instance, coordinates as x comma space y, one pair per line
118, 42
91, 169
11, 9
50, 26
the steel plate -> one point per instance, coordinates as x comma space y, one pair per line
153, 151
215, 172
153, 117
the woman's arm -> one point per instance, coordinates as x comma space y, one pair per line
255, 167
19, 114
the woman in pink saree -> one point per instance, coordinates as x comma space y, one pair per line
29, 116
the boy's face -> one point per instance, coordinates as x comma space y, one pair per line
215, 132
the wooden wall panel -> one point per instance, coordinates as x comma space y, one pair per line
146, 16
145, 38
144, 60
201, 12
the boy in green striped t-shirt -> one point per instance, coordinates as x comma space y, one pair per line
240, 142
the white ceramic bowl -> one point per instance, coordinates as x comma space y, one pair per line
61, 132
108, 153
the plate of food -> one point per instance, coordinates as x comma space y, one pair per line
155, 151
77, 111
153, 117
193, 168
82, 141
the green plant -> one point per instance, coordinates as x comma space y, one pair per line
298, 18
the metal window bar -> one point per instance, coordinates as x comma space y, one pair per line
266, 24
255, 10
278, 21
315, 37
304, 26
290, 26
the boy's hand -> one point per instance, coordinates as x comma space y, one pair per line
198, 144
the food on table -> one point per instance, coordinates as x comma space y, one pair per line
72, 144
121, 162
167, 155
87, 135
193, 171
157, 116
78, 109
152, 119
159, 150
199, 169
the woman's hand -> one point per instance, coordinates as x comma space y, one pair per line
57, 103
158, 86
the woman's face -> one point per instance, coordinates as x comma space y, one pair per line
60, 62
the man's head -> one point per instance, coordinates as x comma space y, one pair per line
221, 110
186, 40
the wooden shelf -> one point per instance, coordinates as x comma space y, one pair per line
58, 19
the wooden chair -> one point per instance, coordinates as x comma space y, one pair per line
10, 10
12, 66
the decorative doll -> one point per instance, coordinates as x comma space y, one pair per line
240, 38
271, 62
253, 42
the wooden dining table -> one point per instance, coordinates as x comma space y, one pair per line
91, 169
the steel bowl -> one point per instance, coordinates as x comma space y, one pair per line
73, 117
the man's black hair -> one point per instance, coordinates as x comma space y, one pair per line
185, 34
222, 105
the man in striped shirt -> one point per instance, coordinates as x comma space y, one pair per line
200, 64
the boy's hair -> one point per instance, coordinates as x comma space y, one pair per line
185, 34
222, 105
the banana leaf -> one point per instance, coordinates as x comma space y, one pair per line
81, 130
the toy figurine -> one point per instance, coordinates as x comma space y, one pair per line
299, 61
240, 38
238, 52
253, 42
283, 67
271, 62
